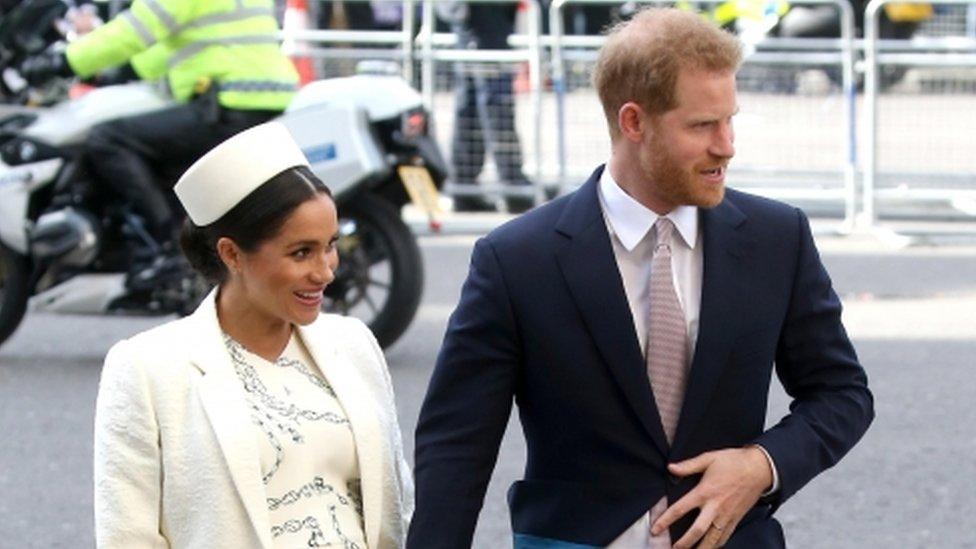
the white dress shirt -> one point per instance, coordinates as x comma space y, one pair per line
630, 226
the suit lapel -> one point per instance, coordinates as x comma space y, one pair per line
344, 374
723, 307
590, 270
229, 416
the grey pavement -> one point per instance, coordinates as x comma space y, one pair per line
909, 483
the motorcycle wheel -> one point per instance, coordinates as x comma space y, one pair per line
14, 281
380, 277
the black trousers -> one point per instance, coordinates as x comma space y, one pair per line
485, 115
359, 15
141, 157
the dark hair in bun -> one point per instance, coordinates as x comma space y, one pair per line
252, 221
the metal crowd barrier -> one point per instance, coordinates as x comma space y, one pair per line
799, 143
439, 51
904, 167
337, 51
442, 61
793, 147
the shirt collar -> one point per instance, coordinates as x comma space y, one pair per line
630, 220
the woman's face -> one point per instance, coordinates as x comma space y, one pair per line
284, 278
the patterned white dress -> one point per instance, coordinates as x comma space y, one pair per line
308, 455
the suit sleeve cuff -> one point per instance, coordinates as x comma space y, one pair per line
772, 467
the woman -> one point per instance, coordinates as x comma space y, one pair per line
254, 422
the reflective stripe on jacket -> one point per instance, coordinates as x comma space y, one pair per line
233, 43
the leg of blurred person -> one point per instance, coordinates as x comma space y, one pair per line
499, 104
359, 15
597, 18
468, 144
323, 14
485, 109
129, 154
586, 19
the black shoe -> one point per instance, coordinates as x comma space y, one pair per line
519, 204
161, 271
551, 191
473, 204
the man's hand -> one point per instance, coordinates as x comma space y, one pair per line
83, 20
732, 481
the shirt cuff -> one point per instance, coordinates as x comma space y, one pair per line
772, 467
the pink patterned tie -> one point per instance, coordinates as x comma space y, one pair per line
667, 351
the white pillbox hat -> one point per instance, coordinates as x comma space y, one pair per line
232, 170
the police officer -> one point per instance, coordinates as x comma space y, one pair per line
221, 62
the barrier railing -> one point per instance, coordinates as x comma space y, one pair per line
480, 66
902, 166
816, 169
432, 51
324, 44
802, 145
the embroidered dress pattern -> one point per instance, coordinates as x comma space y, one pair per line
289, 415
318, 487
287, 399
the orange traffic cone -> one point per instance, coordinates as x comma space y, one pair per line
296, 19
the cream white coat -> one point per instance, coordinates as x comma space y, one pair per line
176, 457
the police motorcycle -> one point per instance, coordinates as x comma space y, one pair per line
66, 246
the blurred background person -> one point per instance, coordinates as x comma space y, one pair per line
256, 421
222, 63
485, 108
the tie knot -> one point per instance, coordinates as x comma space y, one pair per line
664, 228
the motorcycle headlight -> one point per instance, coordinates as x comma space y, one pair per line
20, 150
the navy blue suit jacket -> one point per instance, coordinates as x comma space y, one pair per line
543, 319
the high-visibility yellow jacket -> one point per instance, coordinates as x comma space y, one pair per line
750, 10
194, 44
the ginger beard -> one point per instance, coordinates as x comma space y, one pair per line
677, 185
684, 152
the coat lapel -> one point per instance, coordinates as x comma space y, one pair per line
724, 304
228, 415
344, 374
590, 270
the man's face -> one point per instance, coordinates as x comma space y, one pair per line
685, 151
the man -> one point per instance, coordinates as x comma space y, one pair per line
485, 108
222, 63
636, 323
